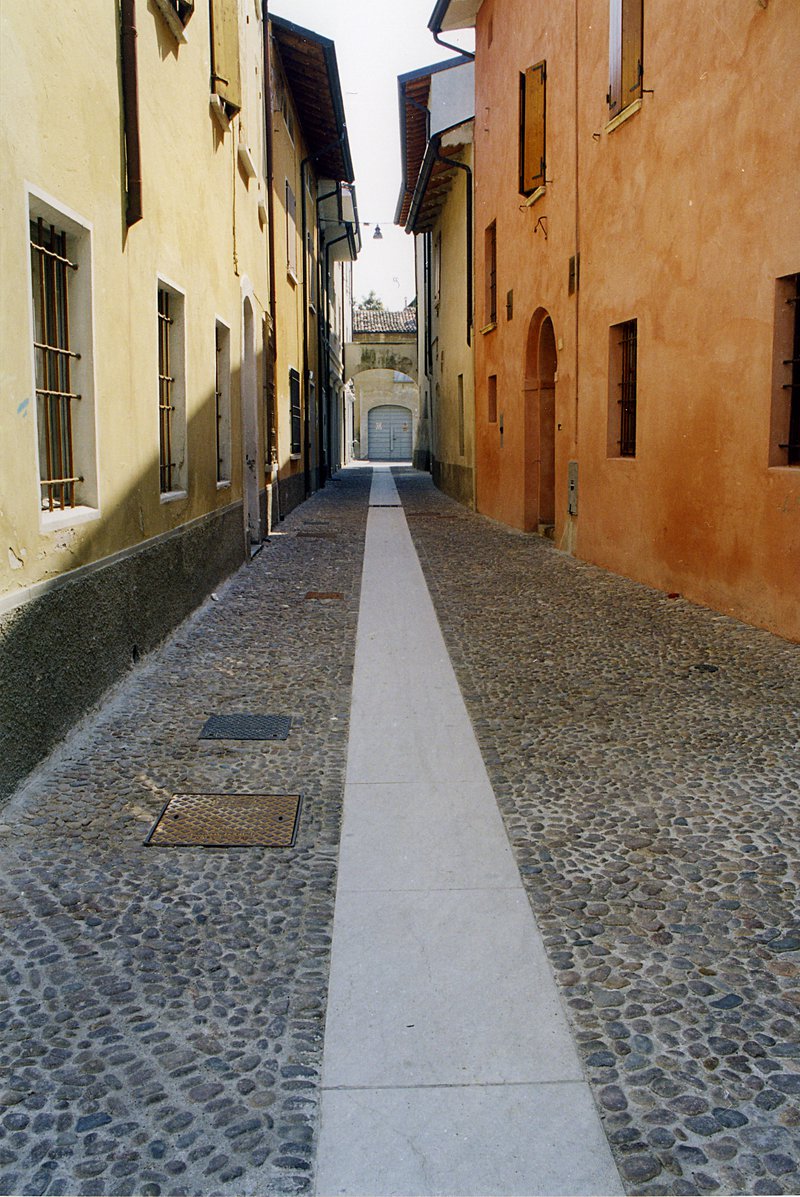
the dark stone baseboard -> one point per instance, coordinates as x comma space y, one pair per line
61, 650
454, 480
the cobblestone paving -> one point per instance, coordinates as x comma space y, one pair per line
645, 757
162, 1010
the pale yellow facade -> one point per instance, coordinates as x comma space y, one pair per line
202, 237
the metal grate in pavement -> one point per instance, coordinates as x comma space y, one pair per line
430, 515
227, 821
246, 727
335, 595
316, 535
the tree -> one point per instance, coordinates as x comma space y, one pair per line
371, 303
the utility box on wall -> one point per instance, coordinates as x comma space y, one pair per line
572, 483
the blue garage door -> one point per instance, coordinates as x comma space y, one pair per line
389, 434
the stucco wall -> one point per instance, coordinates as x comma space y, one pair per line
684, 216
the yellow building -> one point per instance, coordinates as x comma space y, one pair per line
315, 231
142, 407
435, 204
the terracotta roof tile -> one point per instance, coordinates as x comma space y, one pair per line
367, 320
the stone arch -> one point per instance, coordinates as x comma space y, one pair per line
379, 388
541, 368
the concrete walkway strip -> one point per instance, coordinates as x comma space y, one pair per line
448, 1065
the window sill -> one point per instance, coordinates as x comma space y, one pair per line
55, 521
174, 496
295, 456
246, 160
623, 116
292, 277
621, 457
224, 485
536, 195
220, 111
487, 328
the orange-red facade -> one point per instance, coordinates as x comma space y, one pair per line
675, 217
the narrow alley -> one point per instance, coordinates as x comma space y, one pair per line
487, 734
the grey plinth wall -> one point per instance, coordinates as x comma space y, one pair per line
62, 649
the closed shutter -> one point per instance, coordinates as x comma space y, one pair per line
225, 70
294, 411
533, 86
626, 27
291, 231
631, 50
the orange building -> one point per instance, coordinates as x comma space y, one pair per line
637, 233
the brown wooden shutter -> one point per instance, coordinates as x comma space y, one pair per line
225, 72
631, 50
615, 101
533, 86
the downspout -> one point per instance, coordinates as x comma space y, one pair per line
448, 46
130, 106
463, 166
307, 427
273, 365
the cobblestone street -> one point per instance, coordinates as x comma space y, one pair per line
163, 1009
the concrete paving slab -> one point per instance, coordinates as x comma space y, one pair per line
423, 836
476, 1139
442, 988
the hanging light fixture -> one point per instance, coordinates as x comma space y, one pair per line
377, 235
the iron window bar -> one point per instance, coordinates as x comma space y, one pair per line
218, 402
627, 385
53, 356
792, 388
165, 381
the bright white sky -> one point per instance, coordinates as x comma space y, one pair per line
376, 40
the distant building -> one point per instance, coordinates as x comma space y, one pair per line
637, 273
381, 361
437, 106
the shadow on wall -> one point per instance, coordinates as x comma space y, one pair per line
63, 648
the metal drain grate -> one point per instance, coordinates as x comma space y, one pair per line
334, 595
227, 821
372, 505
430, 515
246, 727
316, 536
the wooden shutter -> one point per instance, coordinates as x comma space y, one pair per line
291, 231
533, 86
225, 72
614, 97
631, 50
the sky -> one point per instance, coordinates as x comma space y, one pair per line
376, 40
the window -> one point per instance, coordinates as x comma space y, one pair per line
490, 267
461, 430
62, 355
491, 392
785, 447
437, 270
222, 401
626, 27
176, 14
532, 95
171, 392
291, 232
294, 410
622, 392
312, 271
225, 70
282, 103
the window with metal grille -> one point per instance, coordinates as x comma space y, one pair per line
461, 423
532, 114
294, 409
51, 269
491, 399
171, 392
490, 267
626, 30
623, 389
222, 401
785, 447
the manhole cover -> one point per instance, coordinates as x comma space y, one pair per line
316, 536
246, 727
385, 505
227, 821
334, 595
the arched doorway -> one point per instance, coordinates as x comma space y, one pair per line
390, 433
541, 364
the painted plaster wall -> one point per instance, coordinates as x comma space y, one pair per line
452, 354
688, 213
65, 139
290, 298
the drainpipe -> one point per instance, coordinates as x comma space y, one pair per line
463, 166
273, 364
130, 107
